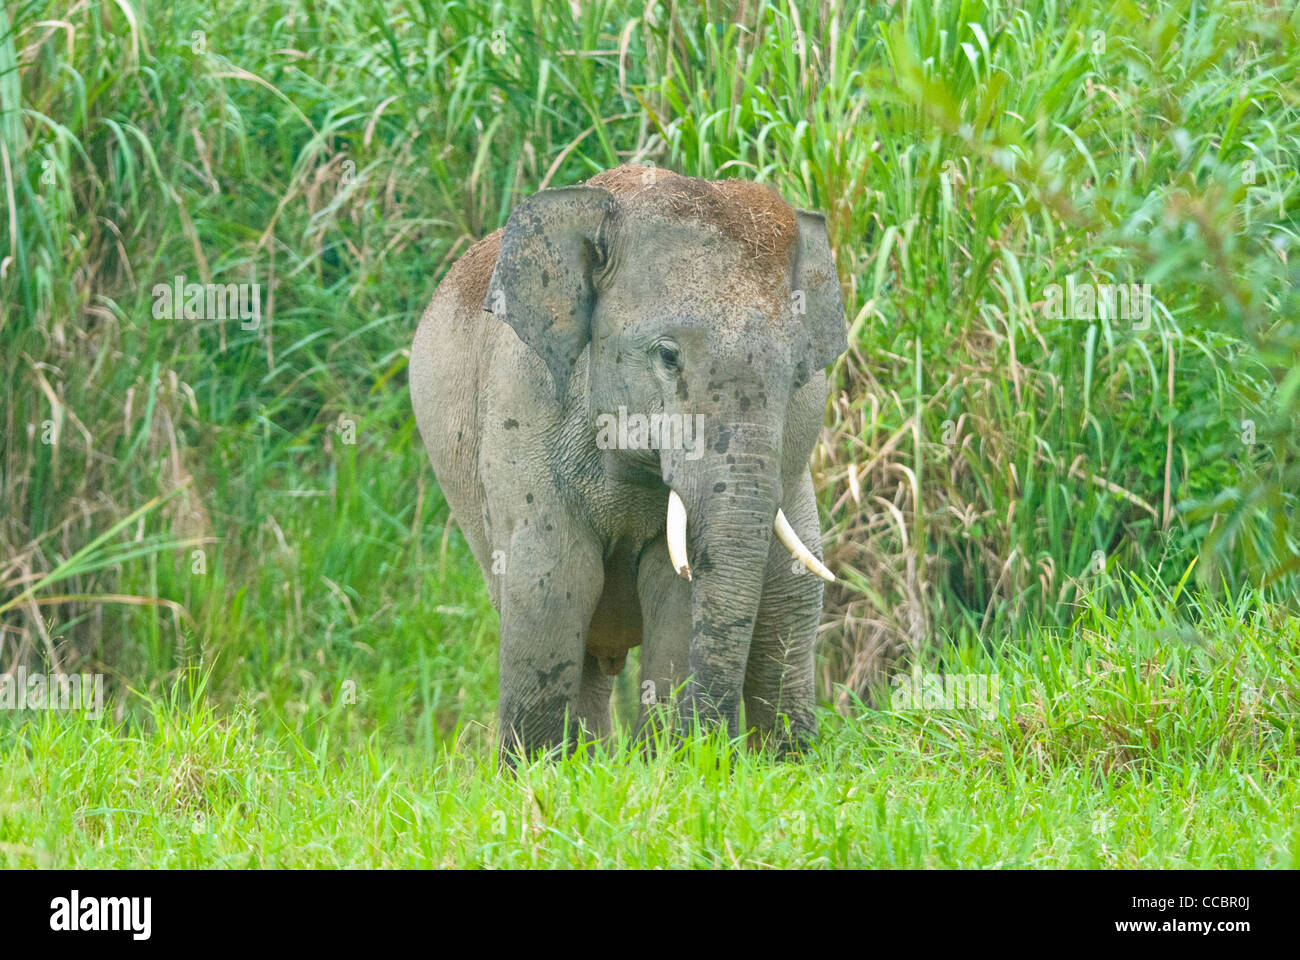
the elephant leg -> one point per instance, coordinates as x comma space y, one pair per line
666, 630
780, 689
549, 589
593, 698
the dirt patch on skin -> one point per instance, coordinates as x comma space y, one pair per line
469, 276
752, 214
630, 179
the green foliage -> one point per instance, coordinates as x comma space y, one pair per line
988, 472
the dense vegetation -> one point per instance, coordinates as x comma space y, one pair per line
237, 524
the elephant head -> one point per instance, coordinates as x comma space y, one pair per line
706, 307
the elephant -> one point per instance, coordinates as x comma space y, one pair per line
619, 392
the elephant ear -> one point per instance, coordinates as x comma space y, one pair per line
817, 295
543, 281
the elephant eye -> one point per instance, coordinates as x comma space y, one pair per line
670, 357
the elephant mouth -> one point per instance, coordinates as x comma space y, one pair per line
677, 553
643, 468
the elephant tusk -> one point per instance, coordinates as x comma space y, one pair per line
677, 535
790, 540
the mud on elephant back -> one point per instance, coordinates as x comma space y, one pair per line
620, 391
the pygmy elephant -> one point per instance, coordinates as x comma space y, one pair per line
620, 391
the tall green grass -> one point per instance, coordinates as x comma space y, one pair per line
984, 468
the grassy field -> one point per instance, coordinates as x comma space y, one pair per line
1134, 742
236, 523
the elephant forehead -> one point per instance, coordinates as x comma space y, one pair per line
752, 214
722, 311
674, 262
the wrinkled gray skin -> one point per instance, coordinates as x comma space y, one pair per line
660, 294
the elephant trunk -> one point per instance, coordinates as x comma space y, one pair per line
731, 499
